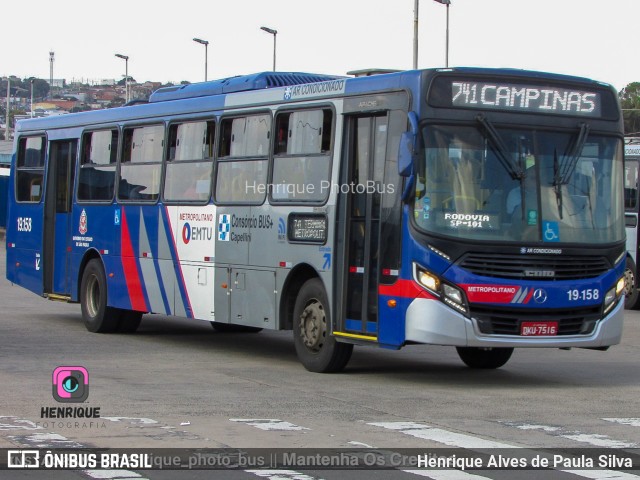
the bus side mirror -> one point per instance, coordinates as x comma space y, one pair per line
408, 147
405, 154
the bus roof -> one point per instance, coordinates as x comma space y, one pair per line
204, 97
241, 83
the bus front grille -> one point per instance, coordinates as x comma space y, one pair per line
551, 267
494, 320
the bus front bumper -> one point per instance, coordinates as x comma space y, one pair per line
432, 322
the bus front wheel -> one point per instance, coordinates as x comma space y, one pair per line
484, 357
97, 316
317, 349
630, 290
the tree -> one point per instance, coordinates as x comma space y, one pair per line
122, 82
630, 103
40, 88
81, 108
22, 88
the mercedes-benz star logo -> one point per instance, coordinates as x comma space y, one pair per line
539, 295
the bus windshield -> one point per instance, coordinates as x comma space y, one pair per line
520, 185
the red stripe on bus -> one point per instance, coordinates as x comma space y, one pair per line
131, 275
404, 289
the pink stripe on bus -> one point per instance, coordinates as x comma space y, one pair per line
131, 274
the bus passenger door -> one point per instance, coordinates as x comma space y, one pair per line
57, 217
361, 181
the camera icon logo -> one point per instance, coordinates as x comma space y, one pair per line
70, 384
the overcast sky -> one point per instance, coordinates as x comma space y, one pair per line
592, 38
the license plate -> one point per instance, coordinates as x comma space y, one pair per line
537, 329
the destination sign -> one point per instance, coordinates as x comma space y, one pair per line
525, 98
516, 97
311, 228
632, 150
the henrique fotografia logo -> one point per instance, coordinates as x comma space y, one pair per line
70, 384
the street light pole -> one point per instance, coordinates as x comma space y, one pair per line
6, 134
206, 45
446, 58
415, 34
126, 75
31, 82
274, 33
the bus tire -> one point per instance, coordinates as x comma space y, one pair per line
97, 316
630, 288
485, 358
233, 328
129, 321
316, 348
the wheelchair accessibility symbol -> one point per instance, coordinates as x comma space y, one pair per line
550, 231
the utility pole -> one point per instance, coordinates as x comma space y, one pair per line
415, 34
51, 60
6, 134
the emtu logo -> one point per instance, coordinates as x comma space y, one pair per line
186, 233
70, 384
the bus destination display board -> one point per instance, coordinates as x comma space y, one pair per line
307, 228
515, 97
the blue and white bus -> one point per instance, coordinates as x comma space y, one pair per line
475, 208
631, 205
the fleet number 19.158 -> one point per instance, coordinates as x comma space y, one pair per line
586, 294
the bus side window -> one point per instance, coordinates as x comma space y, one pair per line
141, 163
30, 169
242, 167
631, 184
96, 179
305, 132
302, 159
189, 162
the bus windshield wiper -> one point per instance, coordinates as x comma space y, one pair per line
515, 171
562, 172
570, 160
557, 182
501, 150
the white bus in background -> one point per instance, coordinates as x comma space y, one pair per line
631, 205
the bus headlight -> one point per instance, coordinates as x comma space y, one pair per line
613, 294
453, 294
448, 293
428, 281
454, 297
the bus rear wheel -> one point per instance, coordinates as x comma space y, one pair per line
316, 348
485, 358
97, 316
